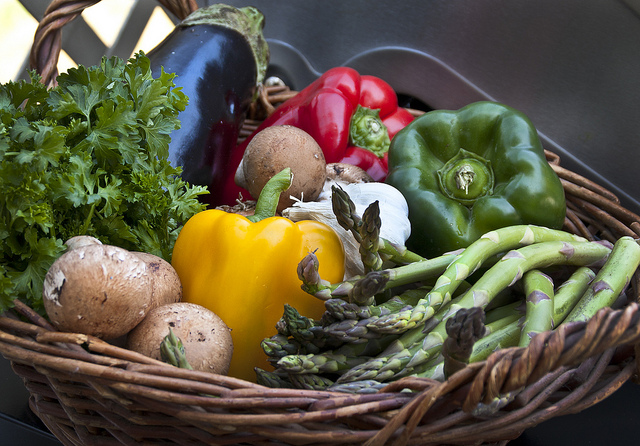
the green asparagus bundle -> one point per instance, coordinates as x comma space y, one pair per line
410, 316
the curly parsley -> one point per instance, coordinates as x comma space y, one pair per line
88, 156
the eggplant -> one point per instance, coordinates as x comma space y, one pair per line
220, 57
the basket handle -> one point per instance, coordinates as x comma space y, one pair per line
47, 42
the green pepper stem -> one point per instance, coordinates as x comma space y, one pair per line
270, 195
466, 177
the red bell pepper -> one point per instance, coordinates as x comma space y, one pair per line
351, 116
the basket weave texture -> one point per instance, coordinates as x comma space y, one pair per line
89, 392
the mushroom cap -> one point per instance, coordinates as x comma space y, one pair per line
347, 173
275, 148
165, 284
81, 240
96, 289
206, 338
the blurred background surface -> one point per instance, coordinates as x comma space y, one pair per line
101, 27
571, 66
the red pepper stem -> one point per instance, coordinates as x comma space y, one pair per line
367, 131
270, 195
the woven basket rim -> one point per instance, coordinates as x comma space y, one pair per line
129, 379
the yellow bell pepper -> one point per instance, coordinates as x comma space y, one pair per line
245, 271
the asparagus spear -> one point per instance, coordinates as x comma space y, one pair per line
369, 230
345, 212
414, 348
539, 294
334, 361
272, 379
504, 337
349, 323
611, 280
325, 362
351, 331
280, 345
470, 260
310, 381
340, 310
504, 311
364, 386
463, 330
409, 274
172, 351
570, 292
305, 330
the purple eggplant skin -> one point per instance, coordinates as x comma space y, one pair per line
219, 56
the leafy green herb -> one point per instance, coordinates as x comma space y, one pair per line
88, 156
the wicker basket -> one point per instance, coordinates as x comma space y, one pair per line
89, 392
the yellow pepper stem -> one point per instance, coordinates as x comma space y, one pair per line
270, 195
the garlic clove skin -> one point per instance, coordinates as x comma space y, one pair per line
394, 210
394, 214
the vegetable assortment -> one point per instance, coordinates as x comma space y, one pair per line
244, 269
367, 337
87, 157
351, 116
306, 289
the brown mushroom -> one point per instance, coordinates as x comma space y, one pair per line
206, 338
347, 173
275, 148
81, 240
97, 289
166, 287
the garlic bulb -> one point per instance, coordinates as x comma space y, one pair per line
394, 214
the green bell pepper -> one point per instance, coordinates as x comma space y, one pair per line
470, 171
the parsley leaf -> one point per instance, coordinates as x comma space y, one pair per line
88, 157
